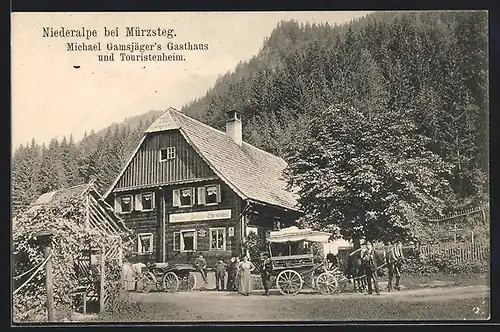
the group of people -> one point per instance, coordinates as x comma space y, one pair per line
393, 258
239, 273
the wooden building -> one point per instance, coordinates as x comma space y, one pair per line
190, 188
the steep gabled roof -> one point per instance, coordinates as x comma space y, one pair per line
251, 172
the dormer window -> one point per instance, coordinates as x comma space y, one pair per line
167, 154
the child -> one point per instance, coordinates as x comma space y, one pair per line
220, 274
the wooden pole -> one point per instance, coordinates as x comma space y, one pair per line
120, 262
87, 212
49, 283
101, 294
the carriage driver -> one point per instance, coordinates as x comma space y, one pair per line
370, 268
265, 272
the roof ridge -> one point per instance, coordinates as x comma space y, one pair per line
222, 132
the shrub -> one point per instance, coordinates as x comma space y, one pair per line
441, 262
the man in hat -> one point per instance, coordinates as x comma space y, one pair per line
265, 272
220, 274
370, 268
201, 266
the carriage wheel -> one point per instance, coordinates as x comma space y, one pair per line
289, 282
170, 282
145, 284
326, 283
188, 282
191, 281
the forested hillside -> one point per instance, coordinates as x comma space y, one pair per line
431, 67
37, 169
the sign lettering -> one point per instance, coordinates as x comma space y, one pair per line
198, 216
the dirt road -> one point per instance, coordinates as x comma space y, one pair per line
455, 303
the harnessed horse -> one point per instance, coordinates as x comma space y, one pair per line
355, 270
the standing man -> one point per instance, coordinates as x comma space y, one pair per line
231, 274
370, 267
265, 272
201, 266
220, 274
395, 261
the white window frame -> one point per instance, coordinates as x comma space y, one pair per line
181, 244
224, 238
139, 243
170, 153
131, 203
218, 199
152, 201
192, 189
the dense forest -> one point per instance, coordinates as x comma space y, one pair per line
433, 66
430, 66
37, 169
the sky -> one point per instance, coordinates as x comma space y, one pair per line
52, 99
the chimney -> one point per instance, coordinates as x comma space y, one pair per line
233, 126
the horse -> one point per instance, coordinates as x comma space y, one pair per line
355, 271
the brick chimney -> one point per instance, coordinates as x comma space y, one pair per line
233, 126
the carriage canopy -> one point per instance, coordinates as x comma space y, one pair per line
294, 234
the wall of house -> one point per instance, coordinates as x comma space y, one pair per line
228, 201
145, 168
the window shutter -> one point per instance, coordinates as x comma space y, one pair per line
176, 197
139, 244
153, 204
193, 195
201, 195
195, 240
138, 202
177, 241
218, 194
118, 206
224, 239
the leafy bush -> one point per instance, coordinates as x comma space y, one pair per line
255, 245
441, 262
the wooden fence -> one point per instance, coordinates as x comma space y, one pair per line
460, 252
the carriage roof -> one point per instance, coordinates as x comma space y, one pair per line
294, 234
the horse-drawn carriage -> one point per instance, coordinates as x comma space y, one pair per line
295, 264
166, 277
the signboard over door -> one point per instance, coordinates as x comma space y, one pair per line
196, 216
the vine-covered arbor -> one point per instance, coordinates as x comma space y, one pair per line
87, 244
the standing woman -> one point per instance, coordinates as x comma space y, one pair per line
245, 268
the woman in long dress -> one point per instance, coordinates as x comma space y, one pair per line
245, 268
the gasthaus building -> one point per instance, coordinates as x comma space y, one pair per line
190, 188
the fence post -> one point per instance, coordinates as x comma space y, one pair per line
49, 283
103, 279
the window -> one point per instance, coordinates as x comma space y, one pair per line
218, 238
183, 197
145, 243
185, 241
123, 204
144, 202
167, 154
209, 195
